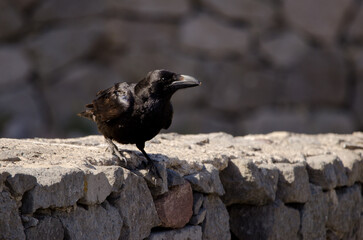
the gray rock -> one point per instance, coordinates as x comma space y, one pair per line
337, 121
272, 221
72, 81
259, 13
19, 183
358, 101
216, 222
199, 217
93, 222
158, 8
198, 199
11, 20
57, 187
360, 231
293, 184
189, 232
22, 119
29, 222
3, 176
58, 47
157, 186
355, 31
285, 49
10, 222
208, 36
345, 205
257, 88
206, 181
323, 24
326, 171
314, 215
135, 205
61, 10
49, 228
15, 66
247, 183
174, 178
115, 177
24, 4
266, 120
313, 78
139, 36
96, 188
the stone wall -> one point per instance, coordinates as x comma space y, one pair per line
212, 186
265, 65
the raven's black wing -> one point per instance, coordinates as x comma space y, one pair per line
110, 103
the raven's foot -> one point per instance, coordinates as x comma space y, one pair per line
153, 168
116, 152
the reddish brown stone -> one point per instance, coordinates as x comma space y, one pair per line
175, 207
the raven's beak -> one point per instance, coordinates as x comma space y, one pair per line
185, 81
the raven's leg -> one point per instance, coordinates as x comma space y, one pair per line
153, 168
115, 150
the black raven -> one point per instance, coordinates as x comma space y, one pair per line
135, 113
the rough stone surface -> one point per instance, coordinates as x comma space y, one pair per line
296, 60
59, 47
248, 183
158, 186
56, 10
355, 31
206, 181
159, 7
198, 199
268, 120
175, 207
310, 79
189, 232
19, 183
174, 178
3, 176
56, 187
272, 221
358, 101
352, 164
74, 187
258, 13
320, 18
15, 66
293, 184
10, 222
93, 222
207, 36
11, 20
49, 228
216, 222
199, 217
135, 205
326, 171
345, 207
284, 49
314, 215
96, 188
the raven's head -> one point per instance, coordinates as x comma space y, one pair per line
165, 83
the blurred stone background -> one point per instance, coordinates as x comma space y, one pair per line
265, 64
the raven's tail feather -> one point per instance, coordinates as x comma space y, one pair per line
88, 113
